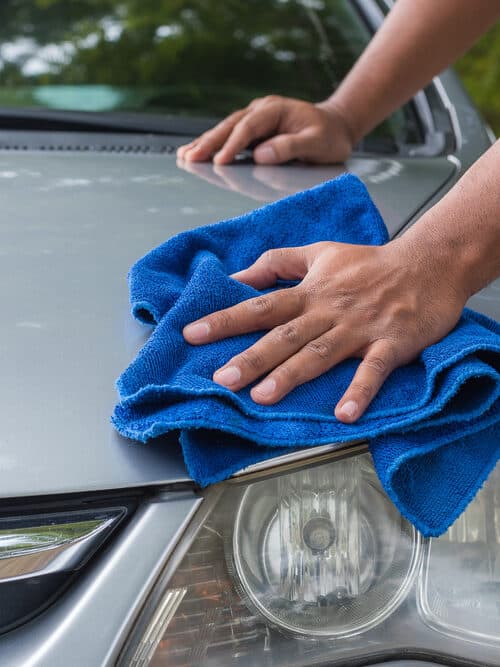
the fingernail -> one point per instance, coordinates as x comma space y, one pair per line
265, 154
227, 376
349, 409
196, 333
218, 157
266, 388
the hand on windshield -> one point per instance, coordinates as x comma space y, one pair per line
286, 128
382, 304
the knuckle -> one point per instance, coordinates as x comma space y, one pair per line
345, 299
273, 255
248, 125
320, 349
377, 363
288, 333
271, 99
267, 256
220, 320
317, 290
364, 389
262, 305
252, 359
371, 313
255, 103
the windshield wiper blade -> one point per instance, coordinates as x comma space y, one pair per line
55, 120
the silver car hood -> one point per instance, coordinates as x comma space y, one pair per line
72, 224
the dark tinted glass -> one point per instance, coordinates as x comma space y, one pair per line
196, 57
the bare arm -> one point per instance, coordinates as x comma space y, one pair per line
383, 304
413, 289
418, 39
463, 229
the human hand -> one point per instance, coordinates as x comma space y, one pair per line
298, 130
384, 304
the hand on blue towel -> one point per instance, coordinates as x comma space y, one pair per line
433, 428
373, 302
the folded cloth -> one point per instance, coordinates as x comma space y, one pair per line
433, 428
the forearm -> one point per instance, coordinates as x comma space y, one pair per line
463, 229
418, 39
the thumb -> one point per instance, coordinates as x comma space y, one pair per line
282, 263
281, 148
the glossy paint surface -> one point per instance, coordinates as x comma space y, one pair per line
71, 226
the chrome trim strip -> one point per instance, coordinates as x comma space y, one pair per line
295, 457
452, 112
41, 546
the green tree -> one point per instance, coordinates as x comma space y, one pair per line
196, 53
480, 72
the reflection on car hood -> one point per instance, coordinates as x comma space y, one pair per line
72, 224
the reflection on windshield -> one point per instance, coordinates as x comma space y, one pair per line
196, 57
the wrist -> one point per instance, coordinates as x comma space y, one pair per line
440, 256
341, 118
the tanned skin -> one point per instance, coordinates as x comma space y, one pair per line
383, 304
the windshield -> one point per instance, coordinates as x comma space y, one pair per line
200, 58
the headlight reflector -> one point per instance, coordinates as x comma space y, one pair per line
322, 552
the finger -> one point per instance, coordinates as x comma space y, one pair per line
279, 263
283, 148
263, 101
263, 312
212, 140
257, 123
308, 145
272, 349
316, 357
371, 374
181, 151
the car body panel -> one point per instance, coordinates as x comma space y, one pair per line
72, 225
95, 616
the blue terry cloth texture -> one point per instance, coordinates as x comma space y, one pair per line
433, 428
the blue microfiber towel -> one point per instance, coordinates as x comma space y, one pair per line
433, 428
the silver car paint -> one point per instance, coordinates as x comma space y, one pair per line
88, 625
72, 224
133, 204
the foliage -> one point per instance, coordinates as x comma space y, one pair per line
204, 57
480, 72
203, 54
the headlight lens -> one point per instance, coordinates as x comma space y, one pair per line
323, 552
316, 566
459, 591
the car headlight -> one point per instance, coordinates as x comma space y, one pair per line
314, 564
459, 592
322, 552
